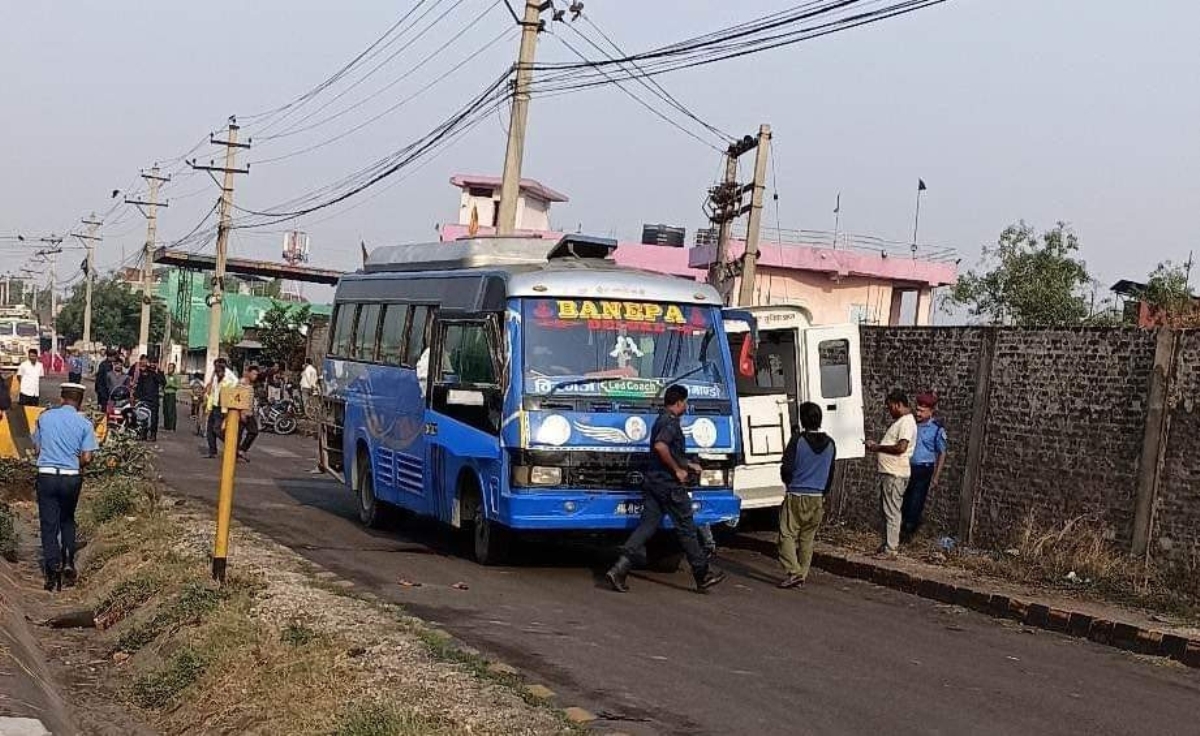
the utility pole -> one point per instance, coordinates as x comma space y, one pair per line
514, 154
51, 254
226, 205
89, 240
154, 180
725, 203
750, 258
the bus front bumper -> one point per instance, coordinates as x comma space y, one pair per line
551, 509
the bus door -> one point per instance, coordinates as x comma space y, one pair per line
833, 381
462, 427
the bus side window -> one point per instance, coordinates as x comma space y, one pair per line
366, 334
343, 330
418, 334
391, 335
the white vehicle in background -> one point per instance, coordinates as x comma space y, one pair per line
19, 332
794, 362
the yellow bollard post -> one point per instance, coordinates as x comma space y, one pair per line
234, 400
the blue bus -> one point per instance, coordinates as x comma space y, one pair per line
509, 384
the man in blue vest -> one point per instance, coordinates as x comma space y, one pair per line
807, 474
65, 441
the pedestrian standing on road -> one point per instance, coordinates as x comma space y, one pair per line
171, 386
222, 377
929, 455
308, 384
664, 493
807, 474
30, 373
65, 441
248, 430
102, 371
75, 365
894, 456
149, 388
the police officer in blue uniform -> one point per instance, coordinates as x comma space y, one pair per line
666, 495
65, 441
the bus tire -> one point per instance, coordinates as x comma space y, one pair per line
370, 508
489, 540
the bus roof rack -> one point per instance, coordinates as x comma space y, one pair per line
487, 252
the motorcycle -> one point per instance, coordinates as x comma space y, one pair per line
127, 416
278, 417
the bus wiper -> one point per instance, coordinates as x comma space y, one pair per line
584, 382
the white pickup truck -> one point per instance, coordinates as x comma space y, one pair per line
794, 362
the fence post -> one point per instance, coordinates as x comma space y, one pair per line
976, 437
1154, 440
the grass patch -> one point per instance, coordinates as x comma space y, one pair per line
375, 719
296, 634
191, 606
113, 499
155, 690
9, 540
127, 596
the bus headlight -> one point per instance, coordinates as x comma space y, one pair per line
712, 478
537, 475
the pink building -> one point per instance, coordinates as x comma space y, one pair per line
861, 280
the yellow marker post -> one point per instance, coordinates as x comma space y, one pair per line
234, 399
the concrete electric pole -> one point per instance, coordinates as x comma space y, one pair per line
721, 196
514, 154
226, 205
51, 255
89, 240
754, 225
153, 180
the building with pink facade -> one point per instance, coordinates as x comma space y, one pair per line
835, 279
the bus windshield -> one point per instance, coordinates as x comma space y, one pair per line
27, 329
621, 348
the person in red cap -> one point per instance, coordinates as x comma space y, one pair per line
928, 457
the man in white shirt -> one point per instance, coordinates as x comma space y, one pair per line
308, 383
30, 372
222, 376
894, 456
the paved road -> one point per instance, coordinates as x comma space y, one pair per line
837, 657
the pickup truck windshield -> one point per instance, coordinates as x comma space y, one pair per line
629, 349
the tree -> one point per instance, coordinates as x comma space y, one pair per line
1025, 280
1170, 299
282, 331
116, 314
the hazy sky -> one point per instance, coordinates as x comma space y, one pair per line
1087, 111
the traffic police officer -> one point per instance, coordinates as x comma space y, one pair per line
65, 441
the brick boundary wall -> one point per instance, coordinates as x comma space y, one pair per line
1048, 423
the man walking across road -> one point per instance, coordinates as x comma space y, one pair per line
929, 454
149, 389
222, 377
30, 374
807, 474
665, 494
308, 384
894, 455
248, 430
65, 441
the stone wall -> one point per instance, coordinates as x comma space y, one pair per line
1176, 529
1060, 429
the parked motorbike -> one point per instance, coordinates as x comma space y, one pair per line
127, 416
277, 417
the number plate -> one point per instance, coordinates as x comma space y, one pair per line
629, 508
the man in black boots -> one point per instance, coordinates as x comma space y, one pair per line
65, 441
666, 494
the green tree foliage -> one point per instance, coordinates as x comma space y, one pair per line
116, 315
282, 332
1169, 297
1027, 280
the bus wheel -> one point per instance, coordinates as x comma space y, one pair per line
489, 540
370, 511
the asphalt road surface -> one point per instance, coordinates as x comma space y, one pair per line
838, 657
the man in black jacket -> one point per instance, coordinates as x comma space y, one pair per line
149, 388
102, 372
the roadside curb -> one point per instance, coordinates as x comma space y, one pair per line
1112, 633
